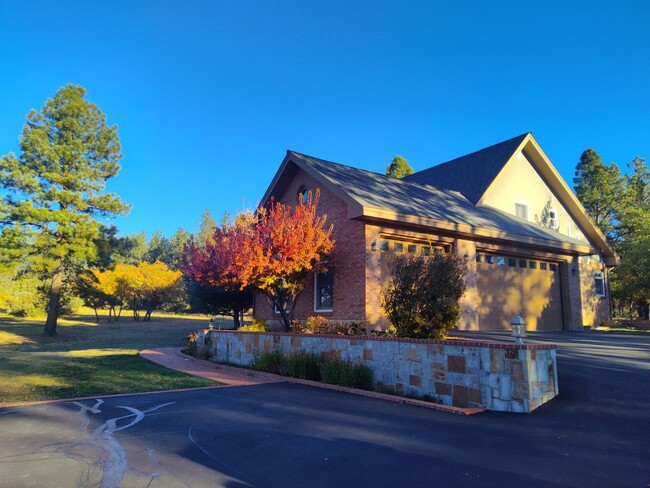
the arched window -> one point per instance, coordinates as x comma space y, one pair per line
303, 194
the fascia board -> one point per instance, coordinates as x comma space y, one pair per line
472, 232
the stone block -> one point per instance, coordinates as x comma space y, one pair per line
493, 380
460, 396
442, 388
412, 354
500, 405
473, 397
415, 380
520, 390
497, 360
517, 406
517, 370
542, 369
456, 364
505, 387
473, 362
367, 354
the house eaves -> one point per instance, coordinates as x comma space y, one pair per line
542, 164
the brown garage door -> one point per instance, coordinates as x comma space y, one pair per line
510, 285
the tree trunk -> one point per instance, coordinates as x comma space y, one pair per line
235, 318
53, 305
96, 314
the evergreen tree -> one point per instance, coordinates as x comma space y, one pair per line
55, 189
399, 168
177, 244
600, 189
207, 227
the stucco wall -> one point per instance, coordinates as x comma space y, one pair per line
520, 182
498, 376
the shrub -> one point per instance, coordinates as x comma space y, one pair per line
347, 373
192, 347
317, 324
258, 325
303, 365
423, 295
272, 362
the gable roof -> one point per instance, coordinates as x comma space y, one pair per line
472, 174
375, 196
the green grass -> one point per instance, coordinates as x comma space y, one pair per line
88, 358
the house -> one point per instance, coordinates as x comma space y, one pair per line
529, 245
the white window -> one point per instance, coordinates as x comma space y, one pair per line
521, 210
552, 220
323, 292
599, 282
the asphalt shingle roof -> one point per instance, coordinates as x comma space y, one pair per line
377, 191
471, 174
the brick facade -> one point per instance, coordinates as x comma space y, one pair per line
347, 261
359, 273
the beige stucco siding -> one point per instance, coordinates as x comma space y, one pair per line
519, 182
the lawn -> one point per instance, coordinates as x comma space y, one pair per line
87, 358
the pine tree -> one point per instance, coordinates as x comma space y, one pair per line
55, 189
399, 168
600, 189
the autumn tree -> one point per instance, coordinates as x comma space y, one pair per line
142, 287
272, 250
399, 167
54, 190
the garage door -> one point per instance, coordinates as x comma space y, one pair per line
512, 285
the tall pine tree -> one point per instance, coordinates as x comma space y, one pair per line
600, 189
54, 191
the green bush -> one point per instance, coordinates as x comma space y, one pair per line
272, 362
347, 373
303, 365
422, 299
317, 324
258, 325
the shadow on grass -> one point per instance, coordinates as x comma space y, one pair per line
50, 376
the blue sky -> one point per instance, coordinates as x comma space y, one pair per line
208, 95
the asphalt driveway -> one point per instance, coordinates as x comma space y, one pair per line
596, 433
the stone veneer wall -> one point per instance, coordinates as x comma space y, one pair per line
464, 373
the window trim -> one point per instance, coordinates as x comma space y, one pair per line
316, 309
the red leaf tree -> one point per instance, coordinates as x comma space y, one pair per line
272, 250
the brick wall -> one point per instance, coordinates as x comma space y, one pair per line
498, 376
347, 260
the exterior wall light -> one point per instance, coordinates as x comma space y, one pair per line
518, 328
373, 246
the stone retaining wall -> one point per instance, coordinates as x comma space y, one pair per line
464, 373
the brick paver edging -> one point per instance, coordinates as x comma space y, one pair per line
446, 342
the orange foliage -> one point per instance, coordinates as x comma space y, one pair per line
271, 250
